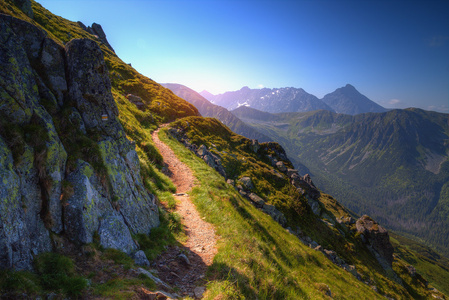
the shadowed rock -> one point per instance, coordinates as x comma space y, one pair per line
376, 236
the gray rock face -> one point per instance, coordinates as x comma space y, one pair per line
136, 205
211, 159
141, 259
136, 100
115, 234
281, 166
37, 75
86, 206
314, 205
258, 202
275, 214
90, 88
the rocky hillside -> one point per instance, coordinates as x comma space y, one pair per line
208, 109
393, 165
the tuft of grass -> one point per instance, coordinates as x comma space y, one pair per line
57, 273
19, 282
168, 233
118, 257
123, 288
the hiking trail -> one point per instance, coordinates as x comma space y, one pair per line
185, 267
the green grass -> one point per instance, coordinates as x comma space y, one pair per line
257, 258
168, 233
57, 273
427, 262
19, 282
123, 288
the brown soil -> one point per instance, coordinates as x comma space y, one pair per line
200, 246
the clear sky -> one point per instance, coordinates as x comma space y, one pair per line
395, 52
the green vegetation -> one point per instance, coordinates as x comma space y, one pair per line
123, 288
55, 273
427, 262
259, 258
377, 164
168, 233
19, 282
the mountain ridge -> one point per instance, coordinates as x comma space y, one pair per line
345, 100
208, 109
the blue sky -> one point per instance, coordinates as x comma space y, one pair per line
396, 52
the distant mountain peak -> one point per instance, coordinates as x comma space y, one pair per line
209, 96
348, 100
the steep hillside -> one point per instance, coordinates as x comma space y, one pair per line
393, 165
208, 109
313, 218
270, 100
347, 100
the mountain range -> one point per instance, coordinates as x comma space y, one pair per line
207, 109
346, 100
392, 165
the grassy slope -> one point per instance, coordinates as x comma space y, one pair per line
215, 196
426, 262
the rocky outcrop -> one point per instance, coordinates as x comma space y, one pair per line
25, 6
211, 159
44, 85
136, 100
97, 31
377, 238
214, 161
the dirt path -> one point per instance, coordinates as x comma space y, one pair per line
185, 267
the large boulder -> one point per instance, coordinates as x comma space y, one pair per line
275, 214
136, 205
88, 212
246, 183
376, 237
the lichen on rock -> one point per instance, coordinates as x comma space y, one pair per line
46, 88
